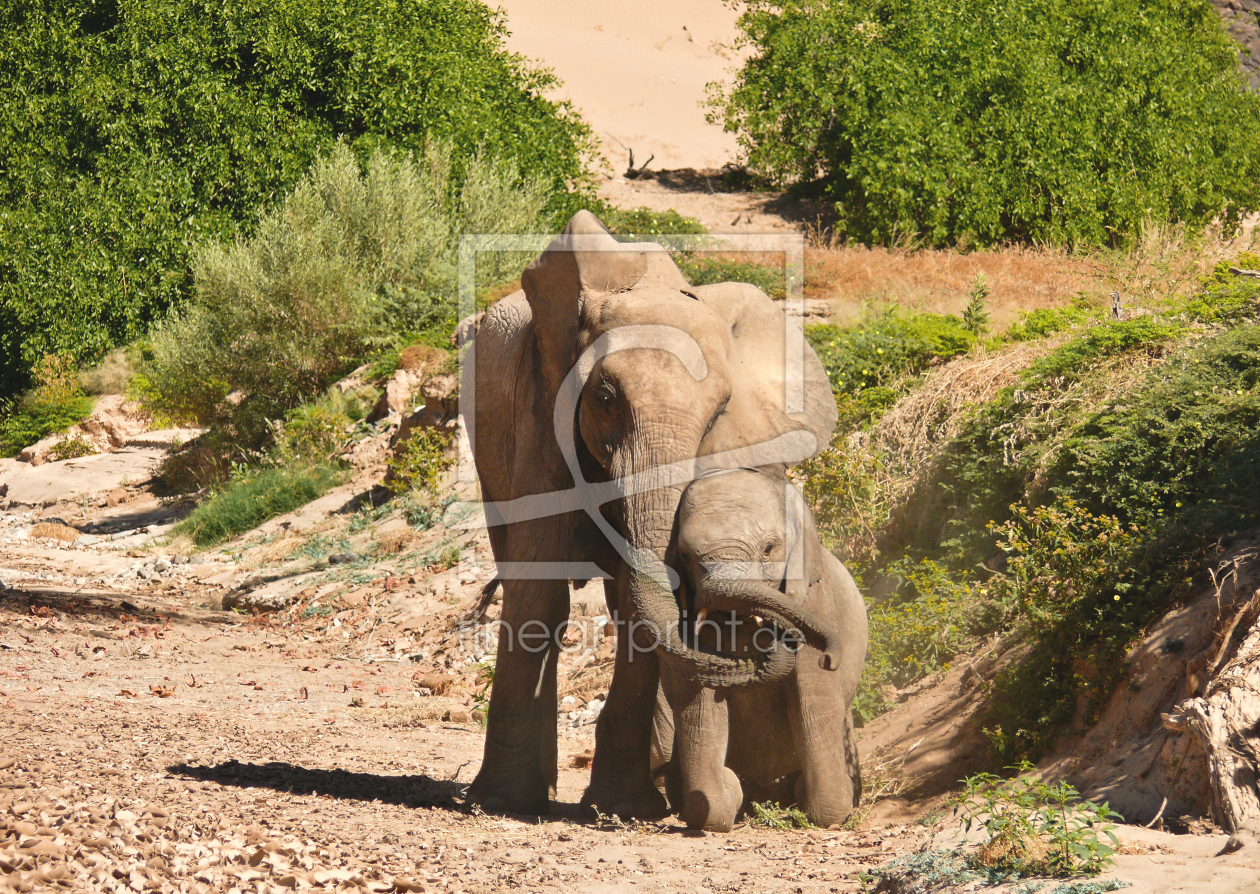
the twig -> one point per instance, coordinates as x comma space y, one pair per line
1238, 271
1157, 815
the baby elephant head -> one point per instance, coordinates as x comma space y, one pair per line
743, 542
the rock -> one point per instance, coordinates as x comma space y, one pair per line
437, 684
458, 715
396, 397
342, 558
260, 600
115, 497
162, 565
86, 540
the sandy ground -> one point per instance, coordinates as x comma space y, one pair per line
154, 741
637, 72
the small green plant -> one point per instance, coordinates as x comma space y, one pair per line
1035, 828
703, 270
251, 497
886, 349
70, 448
1046, 321
646, 222
976, 314
483, 682
54, 404
772, 816
312, 432
420, 461
1060, 554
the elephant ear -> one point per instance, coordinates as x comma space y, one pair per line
583, 260
778, 386
804, 566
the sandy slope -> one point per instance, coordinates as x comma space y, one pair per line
637, 72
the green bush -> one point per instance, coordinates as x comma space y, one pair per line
419, 463
1047, 321
346, 261
913, 634
1035, 828
251, 497
887, 348
1227, 299
703, 270
646, 222
1135, 495
973, 122
133, 130
53, 405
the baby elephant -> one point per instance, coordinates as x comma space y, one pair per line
756, 580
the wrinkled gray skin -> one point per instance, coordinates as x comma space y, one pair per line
638, 409
791, 740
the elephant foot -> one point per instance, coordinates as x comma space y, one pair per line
510, 795
714, 811
620, 799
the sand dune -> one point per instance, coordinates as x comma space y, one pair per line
637, 72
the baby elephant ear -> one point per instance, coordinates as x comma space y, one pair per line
779, 390
583, 259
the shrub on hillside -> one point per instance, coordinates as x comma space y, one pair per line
251, 497
346, 262
54, 404
131, 131
973, 122
887, 348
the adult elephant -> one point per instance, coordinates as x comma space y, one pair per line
597, 391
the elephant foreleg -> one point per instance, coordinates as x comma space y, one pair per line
518, 772
822, 733
711, 792
621, 774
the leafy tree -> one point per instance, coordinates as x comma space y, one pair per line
132, 130
349, 260
972, 121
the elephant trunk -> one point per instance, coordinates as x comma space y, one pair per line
754, 597
654, 605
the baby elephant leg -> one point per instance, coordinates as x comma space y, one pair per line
711, 792
822, 734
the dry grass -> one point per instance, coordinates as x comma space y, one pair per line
931, 415
883, 776
937, 280
588, 681
110, 376
398, 541
52, 531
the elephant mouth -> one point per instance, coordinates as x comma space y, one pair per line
739, 634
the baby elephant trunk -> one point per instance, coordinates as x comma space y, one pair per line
658, 618
754, 597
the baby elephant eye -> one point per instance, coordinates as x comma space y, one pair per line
770, 548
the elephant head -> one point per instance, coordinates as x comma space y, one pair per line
657, 380
742, 542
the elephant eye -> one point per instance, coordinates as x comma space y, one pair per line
606, 396
770, 548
